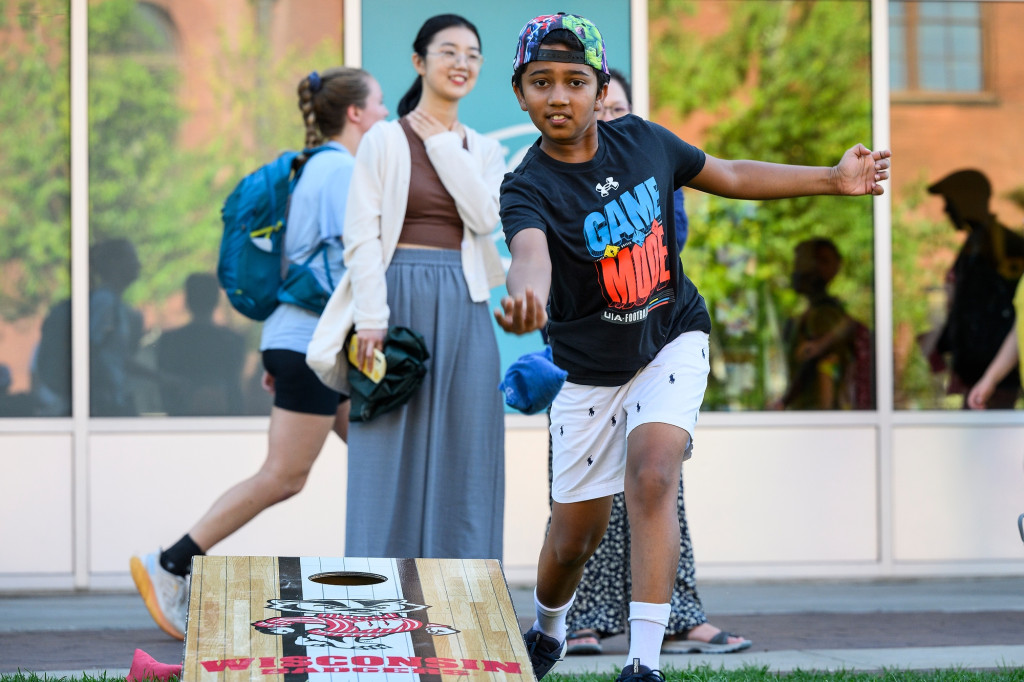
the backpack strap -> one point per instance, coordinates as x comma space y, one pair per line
321, 251
327, 267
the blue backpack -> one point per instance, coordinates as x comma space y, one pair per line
252, 267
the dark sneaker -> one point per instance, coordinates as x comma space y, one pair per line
639, 673
544, 651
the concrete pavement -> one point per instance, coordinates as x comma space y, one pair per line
820, 625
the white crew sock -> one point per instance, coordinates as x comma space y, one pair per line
551, 621
647, 623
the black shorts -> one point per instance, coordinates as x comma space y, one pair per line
296, 386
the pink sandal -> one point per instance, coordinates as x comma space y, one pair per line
582, 643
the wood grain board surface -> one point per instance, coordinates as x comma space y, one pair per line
292, 619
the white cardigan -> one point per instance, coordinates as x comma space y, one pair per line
377, 199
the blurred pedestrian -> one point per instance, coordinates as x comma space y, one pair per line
338, 106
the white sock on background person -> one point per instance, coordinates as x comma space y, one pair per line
551, 621
647, 623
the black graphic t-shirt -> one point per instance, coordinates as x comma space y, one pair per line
618, 292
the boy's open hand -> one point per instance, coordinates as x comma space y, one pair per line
521, 314
860, 170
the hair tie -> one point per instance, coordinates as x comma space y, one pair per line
314, 82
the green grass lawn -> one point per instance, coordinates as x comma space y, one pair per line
708, 674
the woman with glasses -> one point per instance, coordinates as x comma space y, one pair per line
427, 479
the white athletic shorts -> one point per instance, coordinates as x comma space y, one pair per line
590, 424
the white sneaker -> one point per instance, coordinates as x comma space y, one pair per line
165, 594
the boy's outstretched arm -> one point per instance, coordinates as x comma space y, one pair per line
859, 172
528, 282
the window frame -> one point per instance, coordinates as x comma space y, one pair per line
912, 93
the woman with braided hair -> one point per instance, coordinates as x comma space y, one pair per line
338, 106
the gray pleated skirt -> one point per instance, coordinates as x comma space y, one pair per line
428, 479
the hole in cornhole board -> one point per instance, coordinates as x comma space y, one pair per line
348, 578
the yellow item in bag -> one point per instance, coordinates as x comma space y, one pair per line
380, 363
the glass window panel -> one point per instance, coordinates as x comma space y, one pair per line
185, 99
962, 10
898, 72
966, 44
932, 10
958, 250
932, 75
931, 41
947, 39
965, 78
897, 47
35, 209
898, 79
154, 29
791, 311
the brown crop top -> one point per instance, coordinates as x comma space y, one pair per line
431, 218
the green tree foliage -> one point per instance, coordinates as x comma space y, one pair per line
134, 120
144, 184
788, 82
155, 190
35, 183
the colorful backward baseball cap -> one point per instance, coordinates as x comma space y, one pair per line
528, 48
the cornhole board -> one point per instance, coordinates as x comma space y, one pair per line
293, 619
